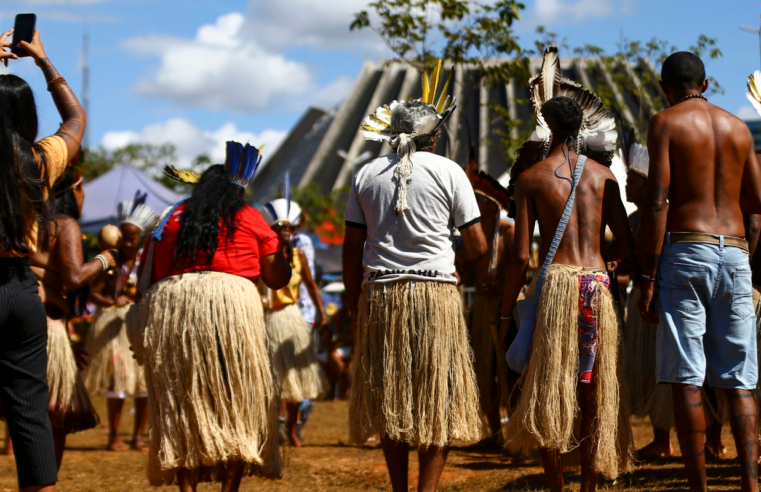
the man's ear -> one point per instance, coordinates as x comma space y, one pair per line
704, 88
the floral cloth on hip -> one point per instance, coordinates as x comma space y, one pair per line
588, 337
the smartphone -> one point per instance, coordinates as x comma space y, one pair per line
23, 30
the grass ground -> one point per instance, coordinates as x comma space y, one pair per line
328, 463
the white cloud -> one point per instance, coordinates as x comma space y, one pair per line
225, 68
331, 94
748, 113
190, 141
550, 11
317, 24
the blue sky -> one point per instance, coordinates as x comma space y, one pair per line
196, 73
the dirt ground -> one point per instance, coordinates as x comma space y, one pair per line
328, 463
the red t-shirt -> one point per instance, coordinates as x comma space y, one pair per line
253, 239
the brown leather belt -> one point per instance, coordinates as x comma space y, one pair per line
705, 238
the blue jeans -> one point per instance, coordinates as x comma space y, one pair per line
707, 323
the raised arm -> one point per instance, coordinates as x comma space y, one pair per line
75, 273
655, 212
314, 291
354, 246
73, 116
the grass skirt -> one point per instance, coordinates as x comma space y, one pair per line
294, 356
69, 406
484, 312
113, 371
647, 397
413, 379
548, 410
211, 388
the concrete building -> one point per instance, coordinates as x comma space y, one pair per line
325, 147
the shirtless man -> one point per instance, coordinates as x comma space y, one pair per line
541, 193
710, 154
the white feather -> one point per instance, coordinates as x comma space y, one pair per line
753, 90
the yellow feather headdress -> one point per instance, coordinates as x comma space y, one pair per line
377, 125
753, 90
182, 175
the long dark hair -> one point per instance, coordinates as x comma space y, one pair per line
214, 198
23, 168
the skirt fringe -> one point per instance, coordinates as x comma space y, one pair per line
211, 387
294, 356
548, 411
113, 371
69, 406
413, 379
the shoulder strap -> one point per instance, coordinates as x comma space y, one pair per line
563, 221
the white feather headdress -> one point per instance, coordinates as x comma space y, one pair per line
377, 127
138, 214
753, 90
282, 210
598, 129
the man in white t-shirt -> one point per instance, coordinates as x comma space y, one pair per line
413, 382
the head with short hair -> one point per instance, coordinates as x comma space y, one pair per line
416, 117
564, 116
683, 70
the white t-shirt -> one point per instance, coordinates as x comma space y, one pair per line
419, 243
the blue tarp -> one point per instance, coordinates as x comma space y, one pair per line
120, 183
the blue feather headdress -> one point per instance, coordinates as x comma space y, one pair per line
242, 162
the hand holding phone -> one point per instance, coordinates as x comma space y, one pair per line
35, 48
23, 30
6, 55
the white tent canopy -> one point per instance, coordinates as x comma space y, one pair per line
120, 183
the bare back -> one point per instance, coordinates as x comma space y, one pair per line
707, 150
597, 205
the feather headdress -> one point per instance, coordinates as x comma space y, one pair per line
241, 162
377, 127
136, 212
597, 135
635, 156
753, 90
282, 211
182, 175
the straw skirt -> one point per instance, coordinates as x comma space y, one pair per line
113, 371
211, 388
69, 406
294, 356
413, 379
548, 411
647, 398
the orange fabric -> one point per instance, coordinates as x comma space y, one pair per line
57, 158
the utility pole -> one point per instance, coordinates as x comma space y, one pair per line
86, 85
757, 32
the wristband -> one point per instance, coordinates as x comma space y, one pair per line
650, 278
505, 318
103, 261
55, 83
